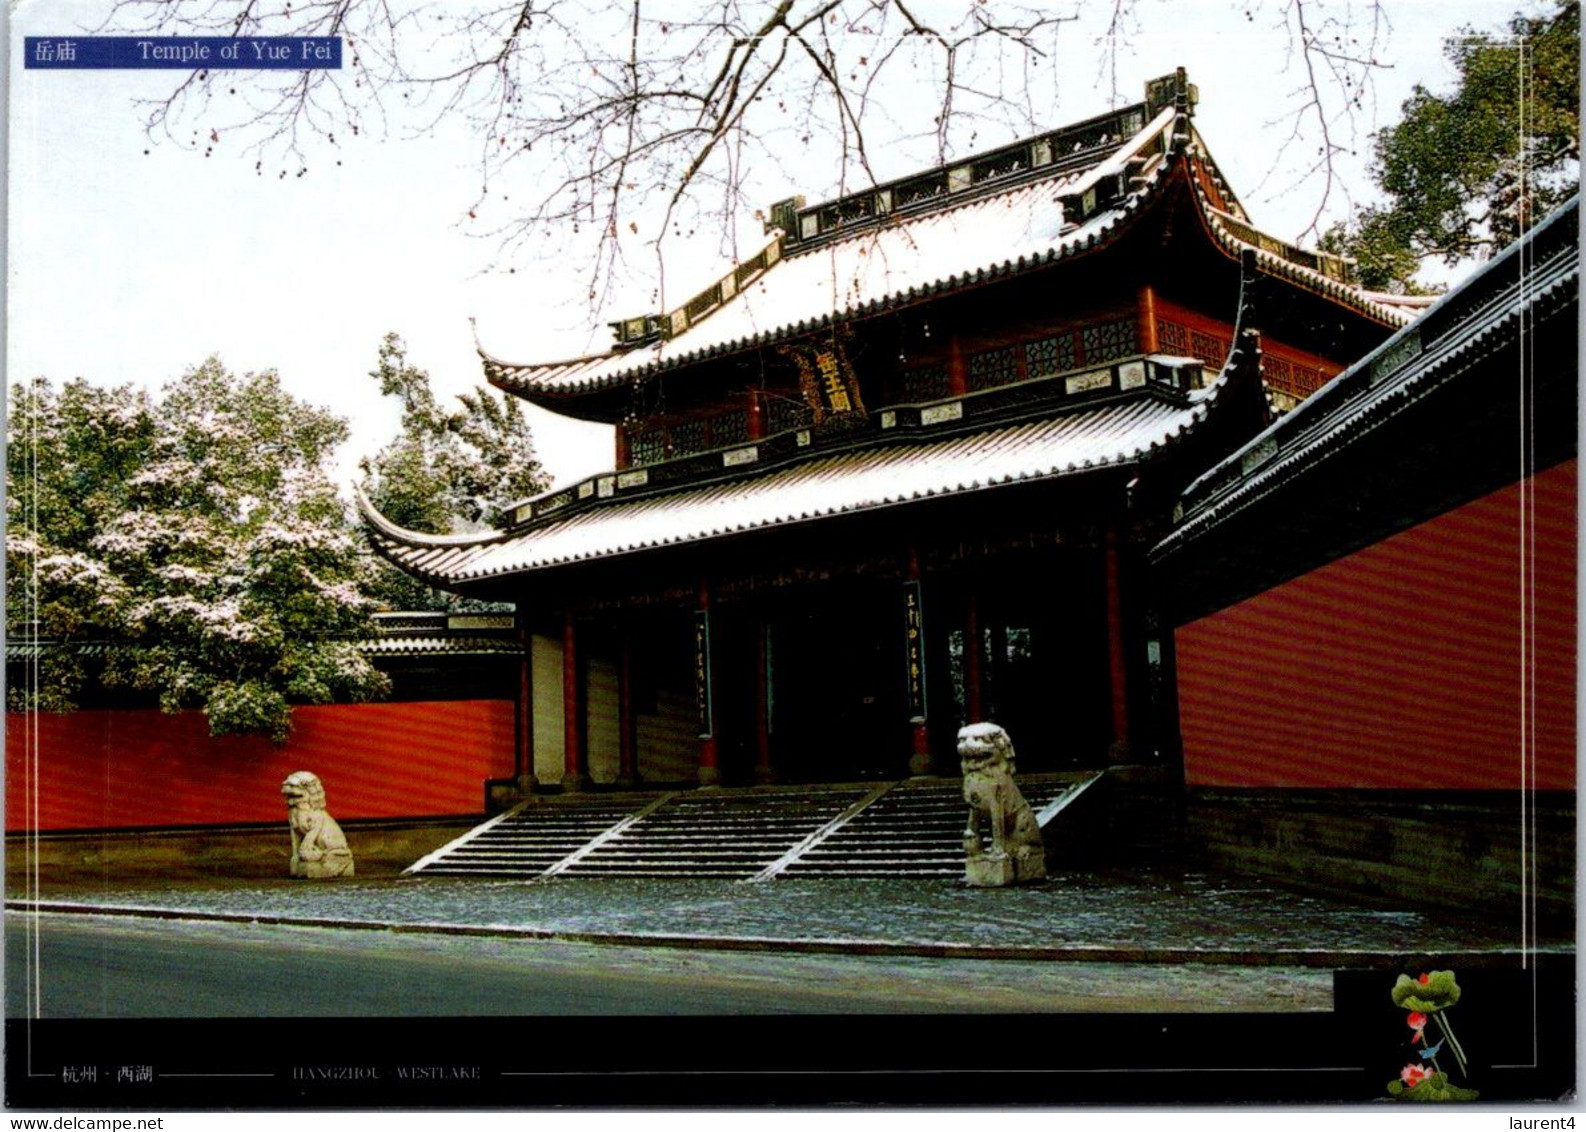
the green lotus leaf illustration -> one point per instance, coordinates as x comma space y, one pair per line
1428, 993
1434, 1088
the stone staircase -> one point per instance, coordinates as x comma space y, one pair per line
917, 830
529, 839
730, 833
911, 828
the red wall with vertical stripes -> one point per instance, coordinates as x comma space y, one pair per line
110, 769
1400, 665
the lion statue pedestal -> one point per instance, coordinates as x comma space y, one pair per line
319, 847
1017, 853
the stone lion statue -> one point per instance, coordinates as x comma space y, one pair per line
1016, 853
319, 847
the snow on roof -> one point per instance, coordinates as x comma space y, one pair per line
867, 270
843, 482
896, 253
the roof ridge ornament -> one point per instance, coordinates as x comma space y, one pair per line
1250, 289
1243, 368
1173, 90
647, 328
479, 348
1080, 145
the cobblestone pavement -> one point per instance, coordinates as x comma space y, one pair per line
1133, 916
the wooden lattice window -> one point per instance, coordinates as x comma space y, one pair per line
1047, 356
687, 437
1209, 348
647, 446
1109, 340
729, 428
1298, 381
992, 368
926, 383
1182, 342
784, 413
1172, 339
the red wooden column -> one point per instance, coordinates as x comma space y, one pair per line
523, 716
574, 710
974, 662
996, 660
623, 453
756, 415
1148, 339
764, 772
1117, 668
627, 722
705, 690
957, 368
920, 756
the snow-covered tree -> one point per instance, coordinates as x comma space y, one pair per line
449, 469
198, 535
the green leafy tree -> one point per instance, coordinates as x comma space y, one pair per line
195, 533
448, 470
1466, 173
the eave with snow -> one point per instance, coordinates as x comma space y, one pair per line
1013, 215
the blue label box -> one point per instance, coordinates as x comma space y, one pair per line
176, 53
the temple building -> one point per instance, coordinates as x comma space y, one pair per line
900, 470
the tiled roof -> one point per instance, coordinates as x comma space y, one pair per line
1306, 269
1116, 433
1409, 304
1533, 279
34, 649
425, 646
957, 239
980, 239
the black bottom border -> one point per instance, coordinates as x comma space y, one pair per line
1516, 1026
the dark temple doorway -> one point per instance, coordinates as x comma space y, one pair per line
1043, 659
837, 695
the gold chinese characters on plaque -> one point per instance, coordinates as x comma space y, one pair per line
826, 377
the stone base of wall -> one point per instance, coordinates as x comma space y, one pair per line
1456, 851
56, 862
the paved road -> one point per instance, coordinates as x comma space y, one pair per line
109, 967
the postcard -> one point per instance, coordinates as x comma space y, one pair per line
622, 556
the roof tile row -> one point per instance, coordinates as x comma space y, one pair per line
846, 482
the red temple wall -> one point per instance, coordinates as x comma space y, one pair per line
1398, 666
115, 769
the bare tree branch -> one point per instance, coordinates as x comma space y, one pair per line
1338, 68
633, 127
